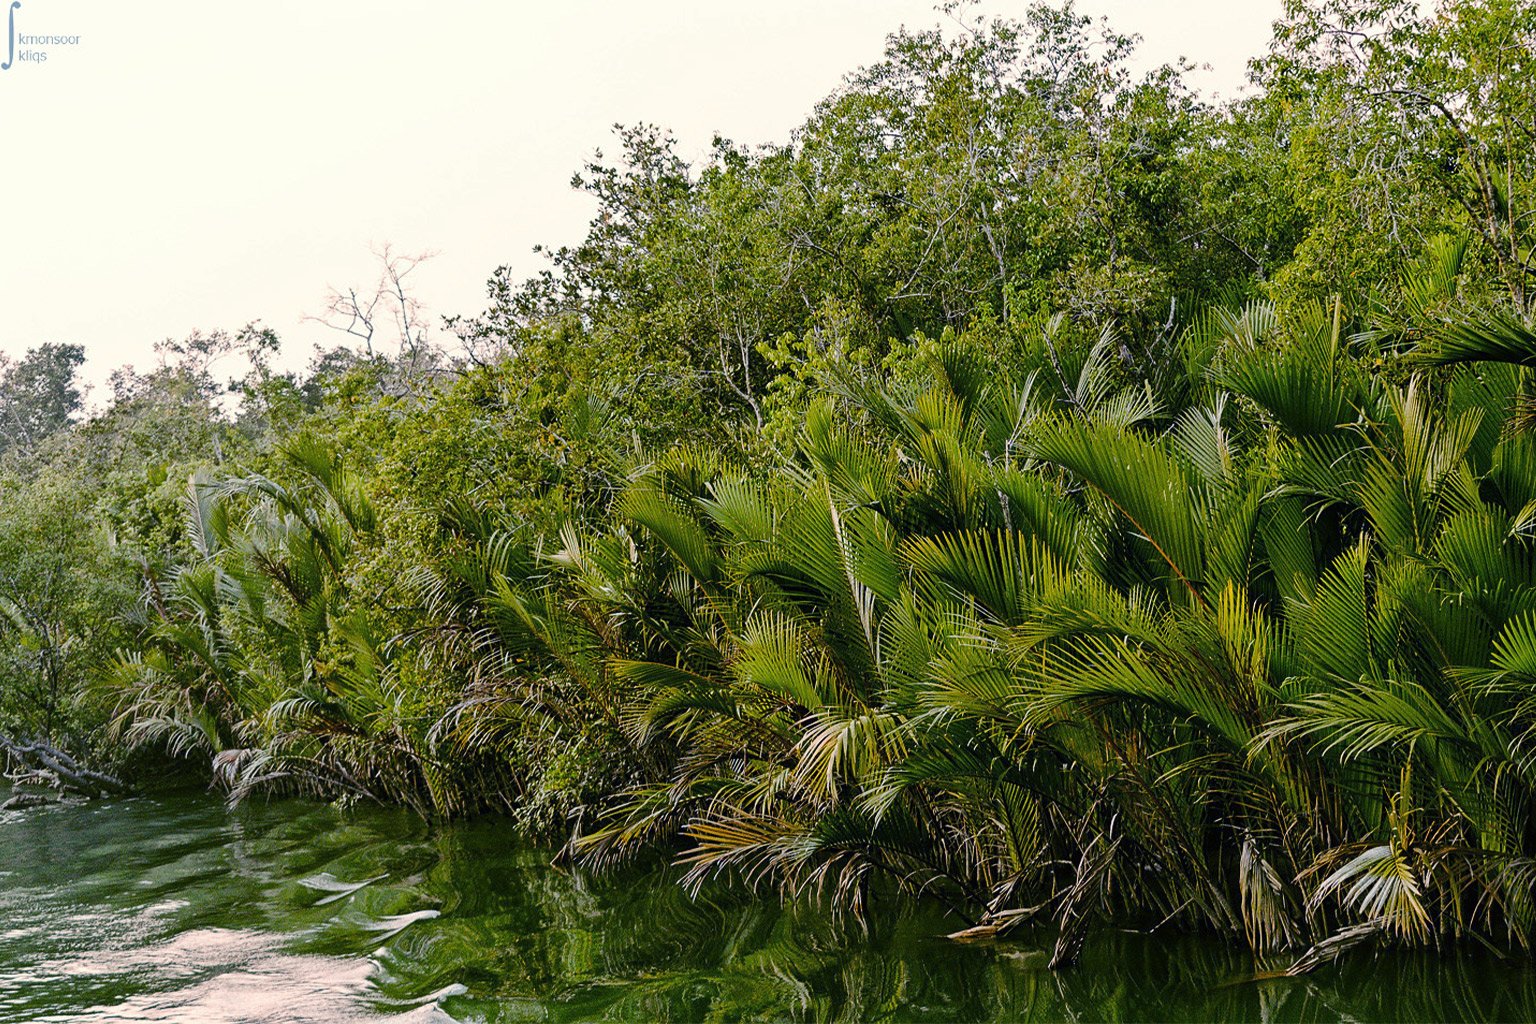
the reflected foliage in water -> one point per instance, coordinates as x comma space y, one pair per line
171, 909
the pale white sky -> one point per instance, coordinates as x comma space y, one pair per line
201, 163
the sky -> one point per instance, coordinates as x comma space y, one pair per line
180, 165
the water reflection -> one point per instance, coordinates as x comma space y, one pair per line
171, 909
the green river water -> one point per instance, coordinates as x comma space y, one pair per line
176, 909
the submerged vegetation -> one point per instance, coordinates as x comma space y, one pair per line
1032, 486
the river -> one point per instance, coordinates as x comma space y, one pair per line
177, 909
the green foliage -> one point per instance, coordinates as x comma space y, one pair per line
1030, 483
38, 396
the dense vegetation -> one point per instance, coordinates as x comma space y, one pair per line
1031, 485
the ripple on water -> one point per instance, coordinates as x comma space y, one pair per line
269, 986
214, 975
296, 912
334, 888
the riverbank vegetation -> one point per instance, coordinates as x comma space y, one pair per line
1032, 484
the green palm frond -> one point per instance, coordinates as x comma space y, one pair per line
1152, 489
1494, 336
674, 525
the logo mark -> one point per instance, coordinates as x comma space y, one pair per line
10, 33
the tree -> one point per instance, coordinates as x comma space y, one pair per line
1406, 124
63, 589
387, 305
38, 395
